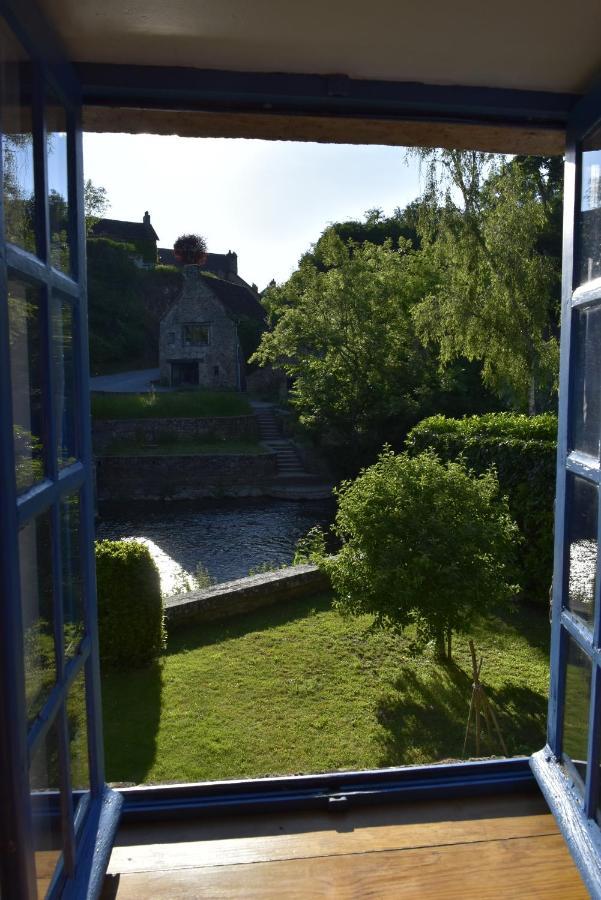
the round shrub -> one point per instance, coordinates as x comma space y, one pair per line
130, 608
423, 543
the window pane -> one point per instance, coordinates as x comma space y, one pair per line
17, 142
72, 583
44, 779
58, 194
589, 225
586, 409
78, 738
35, 565
583, 549
24, 314
64, 381
576, 708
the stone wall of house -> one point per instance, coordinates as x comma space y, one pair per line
151, 431
218, 361
184, 477
245, 594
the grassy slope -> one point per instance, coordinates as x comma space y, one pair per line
300, 689
164, 405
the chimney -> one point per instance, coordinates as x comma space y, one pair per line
146, 218
232, 262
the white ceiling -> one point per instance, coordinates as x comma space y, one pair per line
528, 44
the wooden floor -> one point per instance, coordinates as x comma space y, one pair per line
502, 847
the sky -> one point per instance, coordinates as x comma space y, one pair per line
266, 200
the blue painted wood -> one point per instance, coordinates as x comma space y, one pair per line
581, 834
185, 88
95, 848
315, 791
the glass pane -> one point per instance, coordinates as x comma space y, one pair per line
17, 142
24, 314
576, 707
78, 738
58, 194
72, 583
64, 381
44, 779
587, 381
35, 566
589, 225
583, 549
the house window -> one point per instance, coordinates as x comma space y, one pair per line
171, 338
196, 334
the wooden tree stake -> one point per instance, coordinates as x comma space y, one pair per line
481, 708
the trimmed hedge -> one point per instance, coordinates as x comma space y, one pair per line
522, 449
130, 608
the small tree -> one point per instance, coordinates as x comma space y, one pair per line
423, 543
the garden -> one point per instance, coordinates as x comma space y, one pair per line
377, 672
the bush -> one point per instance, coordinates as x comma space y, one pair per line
130, 608
423, 543
523, 450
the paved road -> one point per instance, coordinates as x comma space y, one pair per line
138, 382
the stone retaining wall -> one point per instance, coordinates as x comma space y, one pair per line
244, 595
224, 428
184, 477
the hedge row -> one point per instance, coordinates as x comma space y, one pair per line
522, 449
130, 608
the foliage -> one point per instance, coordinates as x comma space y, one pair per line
423, 543
193, 403
296, 687
190, 249
130, 608
116, 311
346, 337
492, 229
311, 548
522, 449
95, 201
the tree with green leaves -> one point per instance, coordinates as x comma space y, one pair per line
492, 228
343, 332
424, 544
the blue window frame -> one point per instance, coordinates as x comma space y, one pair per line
54, 805
568, 768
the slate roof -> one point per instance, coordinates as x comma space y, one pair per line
118, 230
216, 262
237, 300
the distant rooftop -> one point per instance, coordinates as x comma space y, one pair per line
218, 263
120, 230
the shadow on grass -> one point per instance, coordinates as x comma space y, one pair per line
204, 634
131, 702
426, 719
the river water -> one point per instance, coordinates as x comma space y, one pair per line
225, 537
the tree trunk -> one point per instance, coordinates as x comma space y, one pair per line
440, 644
449, 638
532, 397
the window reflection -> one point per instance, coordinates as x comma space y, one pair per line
78, 739
44, 780
35, 566
64, 381
17, 142
576, 708
71, 572
589, 225
586, 413
58, 194
24, 314
583, 549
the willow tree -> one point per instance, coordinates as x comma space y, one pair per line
492, 229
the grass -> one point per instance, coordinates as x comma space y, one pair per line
184, 448
297, 688
188, 404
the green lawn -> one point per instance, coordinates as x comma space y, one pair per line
166, 405
300, 689
184, 448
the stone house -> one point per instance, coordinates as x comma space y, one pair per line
200, 335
